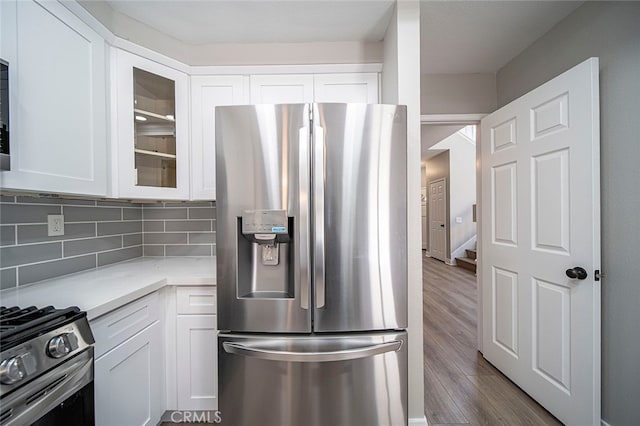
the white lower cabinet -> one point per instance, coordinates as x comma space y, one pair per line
129, 367
197, 361
128, 381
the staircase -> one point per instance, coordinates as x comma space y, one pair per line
469, 261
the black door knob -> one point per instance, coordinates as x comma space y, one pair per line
577, 273
442, 226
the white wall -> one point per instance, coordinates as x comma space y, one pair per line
344, 52
401, 84
610, 31
458, 93
461, 190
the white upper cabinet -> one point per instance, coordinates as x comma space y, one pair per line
207, 92
347, 87
58, 100
281, 89
152, 127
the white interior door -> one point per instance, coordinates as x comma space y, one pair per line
541, 218
437, 219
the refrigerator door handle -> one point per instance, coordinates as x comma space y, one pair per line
287, 356
318, 199
303, 182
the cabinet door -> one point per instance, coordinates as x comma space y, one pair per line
345, 88
197, 361
57, 77
152, 129
207, 92
128, 381
281, 89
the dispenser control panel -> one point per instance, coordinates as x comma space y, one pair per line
265, 222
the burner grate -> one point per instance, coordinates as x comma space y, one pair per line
18, 325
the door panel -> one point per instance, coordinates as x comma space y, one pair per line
438, 220
541, 211
262, 164
363, 381
360, 214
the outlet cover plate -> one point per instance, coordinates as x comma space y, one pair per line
55, 225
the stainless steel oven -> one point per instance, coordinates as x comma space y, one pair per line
46, 368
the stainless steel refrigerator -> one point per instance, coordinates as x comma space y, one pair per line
312, 264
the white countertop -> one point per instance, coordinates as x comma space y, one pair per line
102, 290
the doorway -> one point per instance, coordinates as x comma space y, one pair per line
437, 218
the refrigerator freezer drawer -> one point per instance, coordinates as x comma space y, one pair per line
347, 379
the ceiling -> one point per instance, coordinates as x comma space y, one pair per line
262, 21
456, 36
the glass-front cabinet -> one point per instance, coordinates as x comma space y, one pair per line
152, 127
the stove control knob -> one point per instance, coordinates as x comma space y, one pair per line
12, 370
62, 345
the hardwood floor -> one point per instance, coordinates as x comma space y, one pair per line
461, 387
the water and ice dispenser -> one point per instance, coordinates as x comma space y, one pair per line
265, 254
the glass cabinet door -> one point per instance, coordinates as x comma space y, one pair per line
154, 115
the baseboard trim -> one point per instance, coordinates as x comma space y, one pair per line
450, 262
426, 253
603, 423
415, 421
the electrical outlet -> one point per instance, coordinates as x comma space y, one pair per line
458, 219
56, 224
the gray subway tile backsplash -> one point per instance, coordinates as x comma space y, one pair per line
109, 257
202, 213
153, 226
31, 255
19, 255
132, 214
42, 271
153, 251
8, 278
202, 238
131, 240
97, 233
168, 232
7, 235
151, 213
91, 214
38, 233
91, 245
27, 213
113, 228
188, 250
165, 238
187, 225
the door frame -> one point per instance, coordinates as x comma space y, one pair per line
467, 119
446, 258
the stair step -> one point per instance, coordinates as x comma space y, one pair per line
471, 253
466, 263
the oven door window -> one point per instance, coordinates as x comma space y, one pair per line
76, 410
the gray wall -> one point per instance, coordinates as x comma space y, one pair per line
179, 229
97, 233
457, 93
610, 31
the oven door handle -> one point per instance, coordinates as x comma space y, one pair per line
34, 400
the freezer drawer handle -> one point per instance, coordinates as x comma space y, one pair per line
344, 355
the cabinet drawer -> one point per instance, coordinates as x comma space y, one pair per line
196, 300
115, 327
